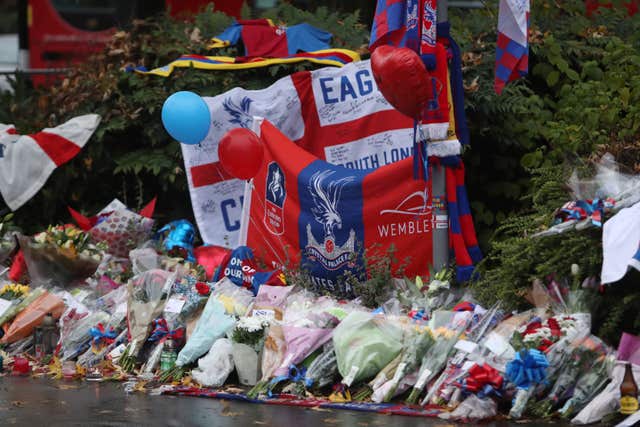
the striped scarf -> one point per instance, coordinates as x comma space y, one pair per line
463, 243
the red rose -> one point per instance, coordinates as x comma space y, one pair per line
555, 327
532, 327
545, 344
203, 288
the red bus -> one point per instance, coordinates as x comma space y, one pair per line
56, 33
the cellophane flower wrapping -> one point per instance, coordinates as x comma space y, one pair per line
214, 368
473, 408
147, 295
235, 299
121, 228
80, 336
300, 343
19, 304
214, 323
364, 344
588, 385
60, 256
273, 351
26, 321
418, 344
271, 301
580, 358
608, 400
434, 359
323, 371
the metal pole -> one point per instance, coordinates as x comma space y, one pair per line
438, 193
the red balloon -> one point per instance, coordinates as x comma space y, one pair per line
241, 152
210, 257
402, 79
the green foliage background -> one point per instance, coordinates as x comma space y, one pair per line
580, 100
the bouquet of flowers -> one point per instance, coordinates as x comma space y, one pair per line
581, 359
323, 370
434, 359
364, 344
213, 324
418, 345
117, 226
247, 341
62, 255
589, 384
32, 315
14, 306
80, 336
147, 295
250, 331
14, 291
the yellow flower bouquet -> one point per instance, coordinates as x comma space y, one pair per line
61, 255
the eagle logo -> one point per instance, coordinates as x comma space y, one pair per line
239, 113
326, 197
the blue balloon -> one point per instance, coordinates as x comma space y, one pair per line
186, 117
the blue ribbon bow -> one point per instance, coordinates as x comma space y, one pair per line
528, 368
294, 375
99, 333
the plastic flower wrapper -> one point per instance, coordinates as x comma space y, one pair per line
418, 345
472, 409
271, 301
62, 255
183, 301
214, 368
300, 343
323, 371
147, 295
121, 228
527, 370
272, 356
468, 368
587, 386
15, 306
25, 322
584, 354
236, 300
248, 340
77, 341
101, 351
435, 358
143, 259
112, 273
213, 324
608, 400
364, 344
303, 309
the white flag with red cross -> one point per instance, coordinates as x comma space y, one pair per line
27, 161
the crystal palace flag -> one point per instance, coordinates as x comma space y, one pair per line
512, 48
27, 161
337, 114
301, 211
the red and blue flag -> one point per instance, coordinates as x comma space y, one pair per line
512, 48
325, 219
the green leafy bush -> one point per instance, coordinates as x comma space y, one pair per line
131, 156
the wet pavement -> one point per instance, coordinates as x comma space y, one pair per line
41, 402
